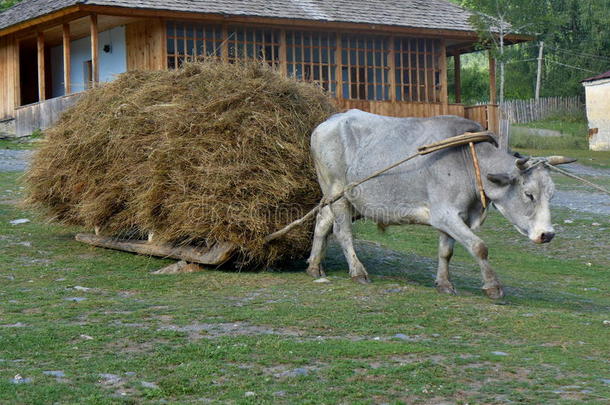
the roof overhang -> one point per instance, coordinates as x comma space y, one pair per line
461, 41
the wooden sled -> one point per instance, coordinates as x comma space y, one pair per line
215, 255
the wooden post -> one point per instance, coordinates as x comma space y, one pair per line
41, 67
392, 69
224, 47
492, 79
95, 56
444, 96
338, 69
283, 62
67, 60
457, 76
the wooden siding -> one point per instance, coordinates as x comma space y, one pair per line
9, 76
146, 45
42, 115
402, 108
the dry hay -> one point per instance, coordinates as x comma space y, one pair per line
210, 152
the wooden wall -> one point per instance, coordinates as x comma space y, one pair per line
402, 108
9, 76
146, 47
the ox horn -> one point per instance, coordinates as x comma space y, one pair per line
522, 163
559, 160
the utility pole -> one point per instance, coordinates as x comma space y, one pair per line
539, 75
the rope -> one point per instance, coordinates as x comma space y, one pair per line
422, 150
568, 174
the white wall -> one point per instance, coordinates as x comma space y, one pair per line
111, 63
598, 113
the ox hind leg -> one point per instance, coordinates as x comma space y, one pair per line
324, 225
454, 226
445, 251
342, 229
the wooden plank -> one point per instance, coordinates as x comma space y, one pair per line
457, 76
339, 67
444, 96
217, 254
282, 56
95, 56
41, 67
67, 60
392, 68
492, 79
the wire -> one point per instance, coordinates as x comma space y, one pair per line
522, 60
570, 66
587, 55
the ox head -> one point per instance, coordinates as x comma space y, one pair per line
522, 195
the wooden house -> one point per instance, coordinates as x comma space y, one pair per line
386, 57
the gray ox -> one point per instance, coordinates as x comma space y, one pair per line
438, 189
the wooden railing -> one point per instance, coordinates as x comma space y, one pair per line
43, 114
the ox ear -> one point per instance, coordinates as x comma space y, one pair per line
500, 179
559, 160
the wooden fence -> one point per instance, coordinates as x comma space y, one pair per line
524, 111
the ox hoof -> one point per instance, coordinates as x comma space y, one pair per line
316, 272
495, 293
363, 279
446, 289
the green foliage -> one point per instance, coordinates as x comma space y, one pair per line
575, 33
4, 4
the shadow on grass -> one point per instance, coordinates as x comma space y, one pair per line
411, 268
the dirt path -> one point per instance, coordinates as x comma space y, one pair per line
14, 160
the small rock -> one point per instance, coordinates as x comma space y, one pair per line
250, 394
401, 336
393, 290
26, 244
18, 379
81, 288
279, 394
568, 221
60, 279
500, 353
589, 264
605, 380
606, 322
435, 335
321, 280
596, 224
19, 221
75, 299
14, 325
149, 385
128, 373
586, 391
376, 338
110, 378
87, 337
54, 373
591, 289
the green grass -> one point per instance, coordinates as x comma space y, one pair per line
177, 331
573, 128
25, 142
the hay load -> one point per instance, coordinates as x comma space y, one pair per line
205, 154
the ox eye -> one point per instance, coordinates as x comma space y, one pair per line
531, 197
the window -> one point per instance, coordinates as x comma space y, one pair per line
417, 64
311, 56
246, 43
187, 41
364, 67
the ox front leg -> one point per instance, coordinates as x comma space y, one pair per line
324, 225
445, 251
343, 232
454, 226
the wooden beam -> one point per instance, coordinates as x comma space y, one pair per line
41, 67
492, 79
67, 59
444, 95
283, 59
217, 254
224, 46
95, 55
40, 20
338, 68
392, 68
16, 74
457, 77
